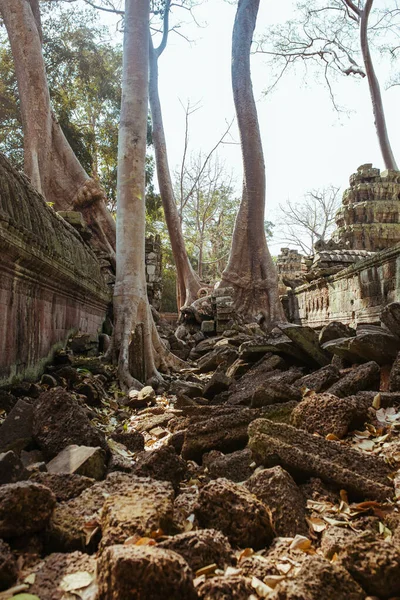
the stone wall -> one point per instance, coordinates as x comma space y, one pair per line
50, 281
154, 270
354, 295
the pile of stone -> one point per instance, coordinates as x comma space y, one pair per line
244, 479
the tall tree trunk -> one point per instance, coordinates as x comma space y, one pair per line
131, 305
375, 92
250, 270
49, 161
188, 283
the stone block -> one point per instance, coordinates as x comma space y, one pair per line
208, 327
82, 460
16, 432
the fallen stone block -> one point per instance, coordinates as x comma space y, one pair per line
319, 380
11, 468
59, 421
25, 508
334, 331
363, 377
377, 345
277, 490
236, 587
16, 432
232, 509
234, 466
304, 455
64, 486
143, 572
218, 383
390, 317
201, 548
274, 392
394, 377
132, 440
306, 339
162, 464
82, 460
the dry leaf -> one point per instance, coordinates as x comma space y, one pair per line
273, 580
90, 528
376, 403
300, 542
30, 579
284, 567
229, 571
344, 497
245, 553
332, 437
317, 524
76, 581
263, 590
366, 445
208, 570
145, 541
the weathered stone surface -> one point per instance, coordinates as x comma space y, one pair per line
394, 378
133, 440
7, 401
147, 508
25, 508
390, 317
368, 345
319, 380
305, 455
318, 578
247, 521
82, 460
222, 356
335, 330
201, 548
63, 486
235, 466
324, 414
143, 572
55, 567
306, 339
234, 587
16, 431
363, 377
8, 567
192, 390
60, 421
147, 395
218, 383
39, 246
238, 368
277, 489
163, 464
373, 563
11, 468
274, 392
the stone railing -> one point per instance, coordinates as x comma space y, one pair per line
50, 280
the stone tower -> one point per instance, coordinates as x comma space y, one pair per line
369, 217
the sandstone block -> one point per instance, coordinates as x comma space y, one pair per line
25, 508
81, 460
201, 548
305, 455
8, 567
16, 431
363, 377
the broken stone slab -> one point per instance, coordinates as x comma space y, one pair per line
201, 548
238, 368
59, 421
277, 489
304, 455
235, 466
16, 432
319, 578
242, 391
227, 432
236, 512
390, 317
335, 330
306, 339
252, 350
11, 468
148, 395
275, 392
64, 486
319, 380
281, 345
222, 356
379, 346
144, 573
188, 388
327, 414
162, 464
132, 440
363, 377
82, 460
25, 508
218, 383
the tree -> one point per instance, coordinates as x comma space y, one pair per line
250, 270
188, 283
132, 313
49, 160
304, 223
325, 34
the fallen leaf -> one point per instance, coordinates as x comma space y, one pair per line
76, 581
300, 542
273, 580
376, 403
229, 571
366, 445
317, 524
30, 578
284, 567
144, 541
263, 590
245, 553
207, 570
332, 437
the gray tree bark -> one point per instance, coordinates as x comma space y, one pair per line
250, 270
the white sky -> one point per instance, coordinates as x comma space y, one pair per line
306, 144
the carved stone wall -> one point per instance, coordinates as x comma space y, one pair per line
354, 295
51, 283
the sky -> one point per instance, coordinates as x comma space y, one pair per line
307, 145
